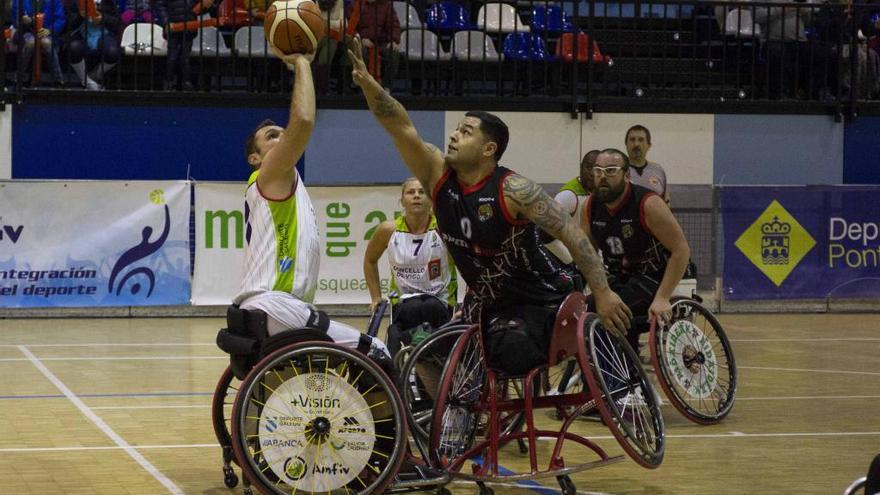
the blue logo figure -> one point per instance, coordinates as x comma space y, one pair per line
142, 250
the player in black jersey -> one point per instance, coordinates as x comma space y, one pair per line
490, 219
641, 242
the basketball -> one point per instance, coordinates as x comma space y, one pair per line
295, 26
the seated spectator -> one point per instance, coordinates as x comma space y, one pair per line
24, 37
835, 25
137, 11
379, 29
93, 40
177, 66
333, 12
787, 51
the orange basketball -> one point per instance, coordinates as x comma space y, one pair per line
295, 26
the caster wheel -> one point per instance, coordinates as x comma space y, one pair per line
485, 490
567, 485
229, 477
523, 448
248, 491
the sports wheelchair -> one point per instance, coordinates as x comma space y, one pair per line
309, 416
692, 359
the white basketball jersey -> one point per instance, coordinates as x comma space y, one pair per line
283, 245
420, 263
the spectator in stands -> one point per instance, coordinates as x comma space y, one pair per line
93, 41
137, 11
333, 12
379, 28
835, 25
177, 68
24, 36
788, 53
643, 172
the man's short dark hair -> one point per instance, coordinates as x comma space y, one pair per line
250, 146
494, 128
638, 127
622, 155
589, 159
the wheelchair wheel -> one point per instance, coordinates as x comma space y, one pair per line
455, 419
872, 480
420, 374
221, 414
560, 379
694, 363
623, 393
318, 418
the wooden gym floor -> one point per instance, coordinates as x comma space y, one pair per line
121, 406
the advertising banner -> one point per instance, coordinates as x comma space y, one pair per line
347, 218
74, 244
804, 242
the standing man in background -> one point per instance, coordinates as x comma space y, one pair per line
643, 172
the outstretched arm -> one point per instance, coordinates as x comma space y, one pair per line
423, 159
278, 170
526, 199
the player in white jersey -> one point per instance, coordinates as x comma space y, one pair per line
423, 278
571, 198
283, 244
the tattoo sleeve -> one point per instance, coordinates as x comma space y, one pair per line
530, 201
384, 106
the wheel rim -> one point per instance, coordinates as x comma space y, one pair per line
454, 422
422, 367
695, 363
221, 406
317, 419
627, 400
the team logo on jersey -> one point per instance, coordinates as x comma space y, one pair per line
485, 212
654, 181
434, 269
627, 231
284, 264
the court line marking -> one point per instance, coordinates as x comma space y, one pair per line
118, 440
172, 406
538, 488
842, 372
110, 396
811, 397
122, 358
731, 434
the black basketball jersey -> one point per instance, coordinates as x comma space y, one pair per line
502, 259
626, 242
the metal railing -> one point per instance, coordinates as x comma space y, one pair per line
813, 57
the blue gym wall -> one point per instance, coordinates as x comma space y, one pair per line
348, 147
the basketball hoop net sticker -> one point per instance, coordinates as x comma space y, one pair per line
691, 359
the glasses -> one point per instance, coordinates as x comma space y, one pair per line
606, 171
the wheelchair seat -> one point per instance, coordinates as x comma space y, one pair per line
563, 341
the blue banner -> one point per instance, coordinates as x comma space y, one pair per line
808, 242
73, 244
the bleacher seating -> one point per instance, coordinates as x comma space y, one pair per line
144, 39
525, 46
407, 15
474, 46
250, 41
500, 18
209, 42
565, 49
422, 44
550, 20
447, 17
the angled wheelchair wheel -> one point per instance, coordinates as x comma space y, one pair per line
221, 414
420, 374
623, 393
318, 418
694, 363
456, 417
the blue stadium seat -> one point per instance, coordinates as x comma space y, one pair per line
447, 17
550, 20
525, 46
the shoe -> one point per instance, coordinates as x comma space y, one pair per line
92, 85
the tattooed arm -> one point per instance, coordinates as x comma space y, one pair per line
423, 159
526, 199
